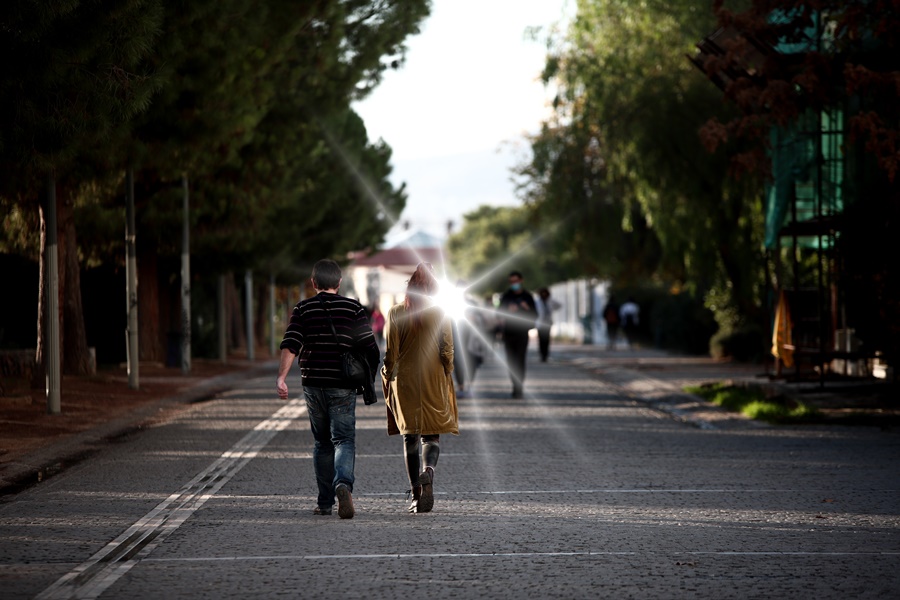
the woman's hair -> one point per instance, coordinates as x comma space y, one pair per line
422, 283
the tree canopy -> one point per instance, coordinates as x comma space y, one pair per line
621, 165
249, 99
235, 93
780, 61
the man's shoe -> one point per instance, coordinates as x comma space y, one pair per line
426, 500
345, 501
322, 511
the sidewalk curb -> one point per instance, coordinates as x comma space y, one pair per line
666, 398
37, 466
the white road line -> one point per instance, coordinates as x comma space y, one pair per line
320, 557
620, 491
91, 578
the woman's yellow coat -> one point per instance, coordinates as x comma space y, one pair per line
416, 375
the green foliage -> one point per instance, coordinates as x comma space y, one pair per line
73, 75
680, 322
268, 186
671, 318
249, 99
752, 402
746, 344
621, 164
496, 240
815, 55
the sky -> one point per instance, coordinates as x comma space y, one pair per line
457, 112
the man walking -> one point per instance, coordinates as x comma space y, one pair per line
519, 314
330, 399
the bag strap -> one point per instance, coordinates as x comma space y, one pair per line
330, 321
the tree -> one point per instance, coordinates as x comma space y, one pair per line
783, 68
496, 240
71, 78
780, 62
622, 153
236, 93
248, 129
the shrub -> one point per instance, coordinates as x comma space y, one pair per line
746, 343
681, 322
752, 402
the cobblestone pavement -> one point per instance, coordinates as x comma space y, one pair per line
579, 490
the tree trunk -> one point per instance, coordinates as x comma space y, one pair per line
76, 359
261, 318
151, 337
235, 314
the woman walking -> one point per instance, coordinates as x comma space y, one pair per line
418, 387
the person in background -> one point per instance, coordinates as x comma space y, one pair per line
417, 382
376, 318
493, 326
461, 333
468, 347
545, 306
611, 317
518, 312
330, 400
478, 340
630, 317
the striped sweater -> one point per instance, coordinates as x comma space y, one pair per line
309, 335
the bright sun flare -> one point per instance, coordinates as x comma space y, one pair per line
452, 299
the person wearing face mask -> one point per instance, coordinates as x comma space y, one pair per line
518, 311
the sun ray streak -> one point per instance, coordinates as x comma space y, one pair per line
505, 261
369, 190
371, 194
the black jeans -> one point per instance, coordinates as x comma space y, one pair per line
431, 449
516, 346
544, 341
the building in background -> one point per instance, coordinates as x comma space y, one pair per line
380, 278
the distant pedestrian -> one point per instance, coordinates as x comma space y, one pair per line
630, 317
417, 380
493, 325
330, 399
611, 318
545, 306
376, 318
518, 312
469, 347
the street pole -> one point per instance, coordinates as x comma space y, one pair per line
131, 283
51, 324
185, 282
248, 294
222, 317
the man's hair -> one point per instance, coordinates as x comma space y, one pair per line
516, 274
326, 274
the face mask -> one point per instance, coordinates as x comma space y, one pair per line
515, 287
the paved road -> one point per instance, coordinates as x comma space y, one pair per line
576, 491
